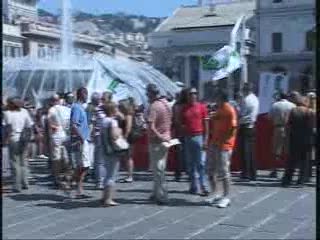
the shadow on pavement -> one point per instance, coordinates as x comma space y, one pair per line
148, 191
72, 204
37, 197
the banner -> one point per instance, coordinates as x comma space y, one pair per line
269, 85
222, 63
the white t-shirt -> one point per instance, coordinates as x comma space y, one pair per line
280, 110
18, 120
60, 116
249, 110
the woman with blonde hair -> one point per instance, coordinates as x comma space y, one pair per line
111, 132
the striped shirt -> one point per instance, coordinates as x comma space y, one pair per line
97, 120
160, 113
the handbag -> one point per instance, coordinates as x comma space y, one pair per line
120, 144
110, 145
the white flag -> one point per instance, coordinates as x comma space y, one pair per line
227, 61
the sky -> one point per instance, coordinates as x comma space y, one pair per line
150, 8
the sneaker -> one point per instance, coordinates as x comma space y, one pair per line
128, 180
223, 203
42, 156
213, 200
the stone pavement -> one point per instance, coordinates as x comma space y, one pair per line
260, 210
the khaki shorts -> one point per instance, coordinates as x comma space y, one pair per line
81, 158
279, 141
59, 153
218, 162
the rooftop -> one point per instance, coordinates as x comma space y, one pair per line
186, 17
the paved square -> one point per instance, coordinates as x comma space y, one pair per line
260, 210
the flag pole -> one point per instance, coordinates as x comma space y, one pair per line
244, 69
233, 44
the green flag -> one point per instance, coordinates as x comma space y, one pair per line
114, 84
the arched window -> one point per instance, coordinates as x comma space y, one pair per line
310, 40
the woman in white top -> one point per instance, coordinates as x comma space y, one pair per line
110, 132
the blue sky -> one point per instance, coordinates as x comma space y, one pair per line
151, 8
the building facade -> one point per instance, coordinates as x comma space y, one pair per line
280, 37
24, 35
286, 40
198, 31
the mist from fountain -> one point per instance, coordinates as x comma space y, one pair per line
67, 33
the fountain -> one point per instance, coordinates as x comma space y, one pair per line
66, 40
37, 79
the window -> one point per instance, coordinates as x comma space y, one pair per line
277, 1
7, 51
310, 40
277, 42
50, 51
279, 69
12, 52
41, 51
16, 52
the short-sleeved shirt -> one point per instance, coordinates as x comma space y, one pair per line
224, 120
249, 110
97, 118
279, 112
18, 120
160, 113
79, 118
60, 116
192, 117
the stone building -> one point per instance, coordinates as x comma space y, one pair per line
197, 31
281, 38
286, 40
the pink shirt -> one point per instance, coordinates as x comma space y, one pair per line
159, 112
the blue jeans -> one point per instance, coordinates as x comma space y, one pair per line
111, 165
181, 158
196, 162
99, 169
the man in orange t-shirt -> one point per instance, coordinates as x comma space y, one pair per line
221, 144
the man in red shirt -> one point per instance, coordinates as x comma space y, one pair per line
221, 144
194, 116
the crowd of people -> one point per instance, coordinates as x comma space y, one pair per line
81, 139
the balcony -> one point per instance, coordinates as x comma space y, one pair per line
286, 4
11, 30
287, 56
53, 31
